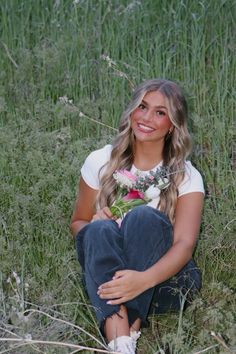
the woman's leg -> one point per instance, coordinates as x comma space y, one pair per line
177, 293
147, 237
117, 325
152, 236
135, 326
103, 248
100, 253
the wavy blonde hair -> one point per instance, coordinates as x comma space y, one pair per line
176, 148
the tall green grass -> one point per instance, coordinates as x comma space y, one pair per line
94, 53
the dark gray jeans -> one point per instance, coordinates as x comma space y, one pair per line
144, 236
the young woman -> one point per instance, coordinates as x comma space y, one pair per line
142, 265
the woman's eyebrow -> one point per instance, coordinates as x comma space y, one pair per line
143, 101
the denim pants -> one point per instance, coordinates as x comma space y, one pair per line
143, 237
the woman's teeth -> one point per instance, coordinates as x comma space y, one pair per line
144, 127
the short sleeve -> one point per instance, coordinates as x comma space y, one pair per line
192, 181
90, 170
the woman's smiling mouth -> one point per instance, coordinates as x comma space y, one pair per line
145, 128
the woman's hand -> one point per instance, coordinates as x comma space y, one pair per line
124, 286
102, 214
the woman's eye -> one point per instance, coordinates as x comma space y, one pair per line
141, 106
161, 113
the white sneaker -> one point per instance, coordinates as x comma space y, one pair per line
123, 344
135, 336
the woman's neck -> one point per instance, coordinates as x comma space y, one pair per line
147, 156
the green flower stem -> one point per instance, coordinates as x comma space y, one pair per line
120, 206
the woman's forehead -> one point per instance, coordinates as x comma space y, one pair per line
155, 98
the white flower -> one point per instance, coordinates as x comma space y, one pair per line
65, 100
108, 59
152, 192
17, 278
28, 336
164, 183
124, 178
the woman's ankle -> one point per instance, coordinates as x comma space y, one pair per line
136, 325
117, 325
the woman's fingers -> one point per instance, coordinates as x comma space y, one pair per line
117, 295
113, 295
119, 301
107, 212
127, 284
102, 214
111, 290
107, 289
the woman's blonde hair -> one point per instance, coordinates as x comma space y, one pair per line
176, 148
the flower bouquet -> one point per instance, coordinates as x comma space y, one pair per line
134, 189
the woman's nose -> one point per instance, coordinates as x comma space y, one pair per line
147, 116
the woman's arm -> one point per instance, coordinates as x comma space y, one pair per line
84, 210
127, 284
84, 207
186, 229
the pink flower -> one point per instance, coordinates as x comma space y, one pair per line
133, 194
128, 174
125, 178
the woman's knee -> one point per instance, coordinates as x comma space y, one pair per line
146, 216
144, 212
147, 226
100, 231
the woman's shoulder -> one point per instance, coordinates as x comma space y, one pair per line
192, 181
92, 166
190, 168
100, 156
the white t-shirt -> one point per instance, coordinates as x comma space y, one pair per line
192, 181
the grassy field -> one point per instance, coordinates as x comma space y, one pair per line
67, 70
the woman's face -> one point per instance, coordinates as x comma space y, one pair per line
150, 120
